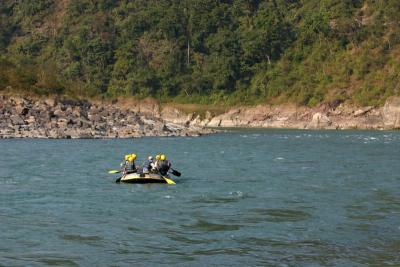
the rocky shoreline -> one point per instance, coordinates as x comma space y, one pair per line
22, 117
338, 116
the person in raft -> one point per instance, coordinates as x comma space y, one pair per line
155, 164
163, 165
148, 165
132, 166
125, 164
128, 166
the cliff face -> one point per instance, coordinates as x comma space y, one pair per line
290, 116
391, 113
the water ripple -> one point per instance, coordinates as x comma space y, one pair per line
203, 225
234, 196
42, 258
81, 238
283, 215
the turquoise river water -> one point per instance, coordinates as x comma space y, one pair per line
246, 198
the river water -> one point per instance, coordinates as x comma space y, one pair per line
246, 198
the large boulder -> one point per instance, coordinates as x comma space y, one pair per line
59, 112
215, 122
319, 121
17, 120
391, 113
363, 111
50, 102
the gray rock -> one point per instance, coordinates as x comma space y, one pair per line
59, 112
95, 118
17, 120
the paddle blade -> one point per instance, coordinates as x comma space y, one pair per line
118, 180
176, 173
114, 171
169, 181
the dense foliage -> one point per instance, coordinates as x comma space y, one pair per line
203, 51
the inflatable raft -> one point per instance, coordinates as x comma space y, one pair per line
148, 178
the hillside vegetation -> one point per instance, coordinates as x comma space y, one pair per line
203, 51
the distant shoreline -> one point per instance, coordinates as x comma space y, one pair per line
54, 118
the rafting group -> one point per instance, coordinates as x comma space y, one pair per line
153, 170
158, 165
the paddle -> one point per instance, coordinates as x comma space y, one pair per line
176, 173
169, 181
114, 172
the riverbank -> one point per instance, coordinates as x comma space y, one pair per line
29, 117
325, 116
58, 117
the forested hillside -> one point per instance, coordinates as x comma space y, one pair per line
203, 51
